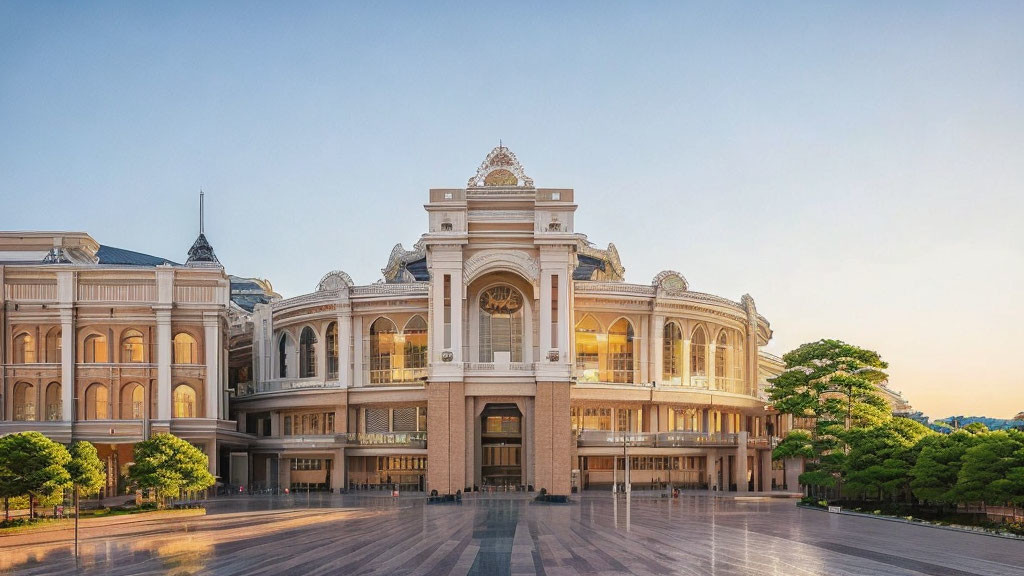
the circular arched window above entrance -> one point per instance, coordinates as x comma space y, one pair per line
501, 300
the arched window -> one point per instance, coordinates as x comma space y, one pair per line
131, 346
672, 354
620, 351
415, 352
721, 350
283, 356
307, 353
332, 350
699, 352
54, 404
501, 324
133, 402
186, 351
96, 402
184, 401
24, 401
382, 350
24, 349
587, 351
95, 349
53, 346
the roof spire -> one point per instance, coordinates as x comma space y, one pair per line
201, 253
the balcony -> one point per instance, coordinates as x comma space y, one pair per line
610, 439
285, 384
387, 439
394, 377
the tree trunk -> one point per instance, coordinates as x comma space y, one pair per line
7, 508
31, 507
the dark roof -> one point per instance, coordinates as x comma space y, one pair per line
247, 294
418, 269
119, 256
586, 267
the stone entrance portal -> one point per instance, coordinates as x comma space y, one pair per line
501, 445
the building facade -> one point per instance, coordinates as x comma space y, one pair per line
112, 346
503, 349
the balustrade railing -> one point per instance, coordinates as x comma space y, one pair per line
387, 439
268, 386
680, 439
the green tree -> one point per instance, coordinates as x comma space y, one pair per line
85, 469
834, 384
31, 464
170, 465
881, 458
985, 467
934, 475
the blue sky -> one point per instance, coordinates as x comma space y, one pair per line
855, 167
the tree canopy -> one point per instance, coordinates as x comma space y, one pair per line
85, 468
170, 465
32, 464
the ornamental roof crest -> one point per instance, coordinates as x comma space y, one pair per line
500, 168
334, 280
671, 282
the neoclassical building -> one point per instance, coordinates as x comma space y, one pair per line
502, 349
110, 346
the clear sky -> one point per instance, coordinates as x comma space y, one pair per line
858, 168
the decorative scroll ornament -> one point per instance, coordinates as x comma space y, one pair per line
501, 300
493, 260
400, 258
500, 168
447, 356
56, 256
334, 280
670, 282
615, 271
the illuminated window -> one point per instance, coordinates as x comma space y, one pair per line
53, 345
332, 350
415, 351
184, 401
501, 324
698, 353
588, 333
133, 405
307, 353
620, 351
131, 346
95, 349
672, 354
97, 402
283, 355
721, 349
24, 349
382, 350
186, 351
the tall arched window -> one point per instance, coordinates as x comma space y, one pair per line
131, 346
672, 354
501, 324
283, 355
721, 353
382, 350
415, 349
184, 401
620, 351
24, 401
699, 352
53, 346
186, 351
95, 349
96, 402
332, 350
307, 353
54, 404
588, 366
133, 402
24, 349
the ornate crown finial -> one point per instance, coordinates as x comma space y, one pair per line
500, 168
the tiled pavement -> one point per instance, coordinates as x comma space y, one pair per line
596, 534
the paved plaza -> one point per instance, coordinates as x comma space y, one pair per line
595, 534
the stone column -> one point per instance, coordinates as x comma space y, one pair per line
686, 359
644, 343
67, 364
446, 436
457, 306
564, 323
345, 348
357, 351
211, 337
211, 455
712, 347
658, 348
163, 364
794, 468
741, 462
726, 473
338, 474
545, 315
766, 470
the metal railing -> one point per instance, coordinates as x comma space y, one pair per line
387, 439
608, 438
268, 386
